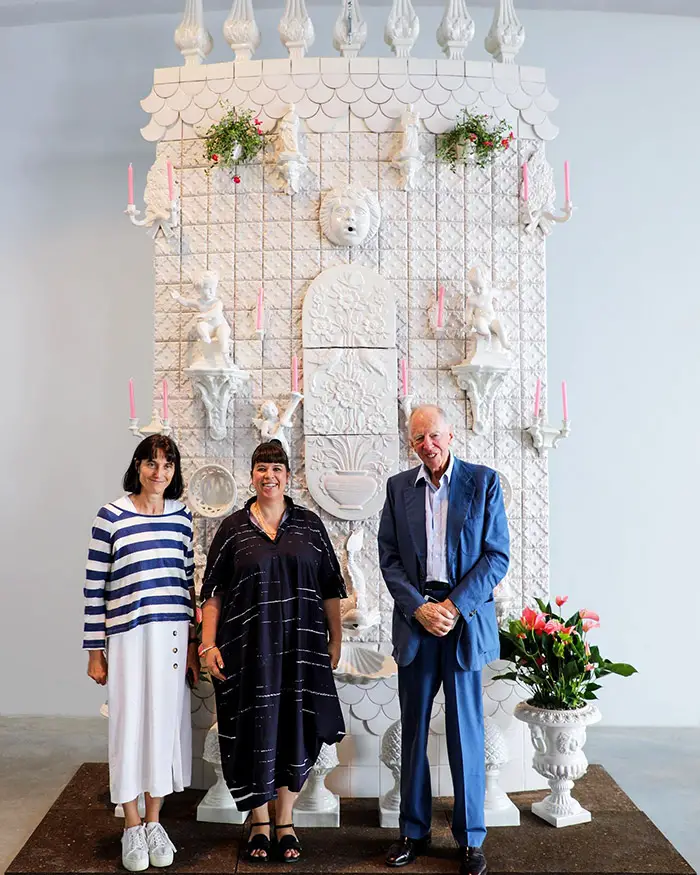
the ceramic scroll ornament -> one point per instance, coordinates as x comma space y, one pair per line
350, 216
409, 159
291, 162
488, 356
213, 372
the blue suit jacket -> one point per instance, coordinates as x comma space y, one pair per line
477, 559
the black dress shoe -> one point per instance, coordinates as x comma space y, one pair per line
472, 862
406, 850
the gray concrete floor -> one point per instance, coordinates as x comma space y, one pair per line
658, 768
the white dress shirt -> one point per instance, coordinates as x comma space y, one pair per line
437, 499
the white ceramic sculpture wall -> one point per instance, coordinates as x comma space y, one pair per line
255, 233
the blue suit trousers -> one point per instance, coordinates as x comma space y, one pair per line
419, 682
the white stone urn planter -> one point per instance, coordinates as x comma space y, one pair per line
558, 737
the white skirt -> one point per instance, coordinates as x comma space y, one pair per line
150, 728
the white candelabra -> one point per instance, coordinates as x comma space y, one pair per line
545, 436
162, 206
157, 425
538, 193
545, 220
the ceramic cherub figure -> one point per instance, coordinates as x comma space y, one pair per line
481, 312
212, 328
288, 132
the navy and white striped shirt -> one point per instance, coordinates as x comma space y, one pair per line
139, 569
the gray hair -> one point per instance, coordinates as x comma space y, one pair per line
422, 407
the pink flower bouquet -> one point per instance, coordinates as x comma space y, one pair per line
552, 658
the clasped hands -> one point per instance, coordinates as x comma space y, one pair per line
438, 618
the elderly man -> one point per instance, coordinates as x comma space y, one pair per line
443, 547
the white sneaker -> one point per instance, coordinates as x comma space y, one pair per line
160, 848
134, 849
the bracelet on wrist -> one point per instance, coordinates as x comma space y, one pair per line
202, 649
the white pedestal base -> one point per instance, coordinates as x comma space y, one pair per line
508, 815
220, 814
388, 817
541, 809
218, 805
329, 818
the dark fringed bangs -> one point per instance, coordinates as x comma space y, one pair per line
270, 453
148, 449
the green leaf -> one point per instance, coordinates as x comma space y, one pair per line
621, 668
506, 676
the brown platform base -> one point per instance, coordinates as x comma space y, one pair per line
81, 834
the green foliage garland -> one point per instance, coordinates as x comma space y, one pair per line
471, 136
236, 129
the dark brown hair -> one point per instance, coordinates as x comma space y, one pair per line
270, 453
148, 449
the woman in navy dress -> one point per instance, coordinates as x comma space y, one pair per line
270, 638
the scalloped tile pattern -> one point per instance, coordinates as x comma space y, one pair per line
374, 89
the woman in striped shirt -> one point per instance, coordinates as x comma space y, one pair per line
141, 643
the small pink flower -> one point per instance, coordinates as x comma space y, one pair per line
590, 624
257, 121
512, 135
588, 615
198, 615
567, 630
472, 137
561, 600
553, 626
488, 143
505, 142
590, 666
236, 179
521, 635
214, 157
540, 661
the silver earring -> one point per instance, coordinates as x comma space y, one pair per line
251, 488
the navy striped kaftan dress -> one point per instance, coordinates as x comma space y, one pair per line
278, 703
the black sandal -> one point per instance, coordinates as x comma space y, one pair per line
288, 843
258, 842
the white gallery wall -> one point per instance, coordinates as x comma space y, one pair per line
77, 296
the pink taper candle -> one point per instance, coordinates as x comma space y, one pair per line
567, 184
538, 394
261, 309
526, 183
441, 306
171, 186
132, 403
165, 399
404, 378
295, 374
564, 400
130, 178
